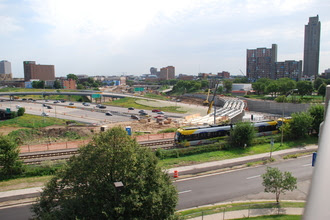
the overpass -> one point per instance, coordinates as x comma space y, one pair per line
84, 93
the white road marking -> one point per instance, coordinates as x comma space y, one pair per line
184, 191
251, 177
306, 165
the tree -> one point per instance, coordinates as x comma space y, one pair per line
259, 87
300, 124
304, 88
220, 90
57, 84
272, 88
228, 85
322, 90
85, 189
38, 84
317, 113
72, 76
242, 135
278, 182
10, 164
285, 85
80, 86
20, 111
318, 81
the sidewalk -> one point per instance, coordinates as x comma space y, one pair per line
192, 169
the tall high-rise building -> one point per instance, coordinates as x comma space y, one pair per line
260, 63
167, 73
41, 72
312, 47
5, 67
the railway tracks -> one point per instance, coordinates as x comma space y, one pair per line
64, 154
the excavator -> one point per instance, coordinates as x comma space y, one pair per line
212, 101
206, 102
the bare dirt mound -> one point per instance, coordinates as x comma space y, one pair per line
7, 130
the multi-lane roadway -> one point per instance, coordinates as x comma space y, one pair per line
232, 185
87, 114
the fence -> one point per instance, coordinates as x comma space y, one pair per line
77, 144
234, 211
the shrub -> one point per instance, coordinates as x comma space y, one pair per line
242, 135
20, 111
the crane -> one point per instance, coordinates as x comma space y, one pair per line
212, 102
206, 102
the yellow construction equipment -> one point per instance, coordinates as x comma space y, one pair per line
206, 102
212, 102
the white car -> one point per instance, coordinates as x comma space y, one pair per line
18, 106
44, 114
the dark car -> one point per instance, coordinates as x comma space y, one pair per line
44, 105
30, 99
56, 101
71, 103
49, 107
63, 101
102, 106
135, 117
23, 99
108, 114
143, 113
155, 110
130, 108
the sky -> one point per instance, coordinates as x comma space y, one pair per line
127, 37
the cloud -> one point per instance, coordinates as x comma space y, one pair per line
8, 25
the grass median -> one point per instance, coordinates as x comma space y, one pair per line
210, 210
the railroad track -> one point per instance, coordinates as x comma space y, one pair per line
65, 154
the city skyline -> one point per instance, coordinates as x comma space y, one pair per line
129, 37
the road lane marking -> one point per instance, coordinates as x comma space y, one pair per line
305, 165
184, 191
251, 177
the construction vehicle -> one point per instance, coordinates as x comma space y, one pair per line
206, 102
212, 101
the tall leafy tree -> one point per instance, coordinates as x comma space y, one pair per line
300, 124
242, 135
72, 76
10, 165
278, 182
259, 87
317, 82
228, 85
304, 88
57, 84
86, 188
322, 90
272, 88
285, 85
317, 113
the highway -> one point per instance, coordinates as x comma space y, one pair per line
233, 185
86, 114
239, 184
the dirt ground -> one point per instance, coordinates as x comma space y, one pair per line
148, 127
7, 130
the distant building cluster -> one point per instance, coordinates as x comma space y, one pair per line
262, 62
165, 73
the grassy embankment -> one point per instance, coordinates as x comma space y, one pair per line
131, 102
209, 210
233, 153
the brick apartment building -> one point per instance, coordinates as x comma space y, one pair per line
167, 73
37, 71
